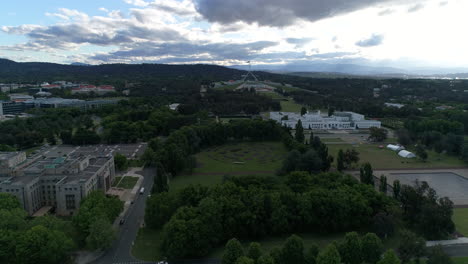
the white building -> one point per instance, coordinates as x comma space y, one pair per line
395, 147
340, 120
406, 154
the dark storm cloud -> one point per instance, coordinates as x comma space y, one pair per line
280, 12
186, 52
374, 40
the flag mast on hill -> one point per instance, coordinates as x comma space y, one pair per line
250, 73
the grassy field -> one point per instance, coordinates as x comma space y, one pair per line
126, 182
246, 158
460, 218
147, 244
387, 159
460, 260
287, 103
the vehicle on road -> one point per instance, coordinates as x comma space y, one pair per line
142, 190
122, 221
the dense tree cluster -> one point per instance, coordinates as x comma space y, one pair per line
253, 207
352, 249
312, 157
45, 239
425, 212
94, 220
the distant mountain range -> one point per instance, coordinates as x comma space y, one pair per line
39, 71
356, 70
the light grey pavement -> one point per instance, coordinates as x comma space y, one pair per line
452, 183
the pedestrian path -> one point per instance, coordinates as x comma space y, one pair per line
458, 241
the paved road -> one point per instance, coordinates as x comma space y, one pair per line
457, 250
120, 251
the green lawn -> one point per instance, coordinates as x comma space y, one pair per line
116, 181
460, 260
127, 182
387, 159
147, 244
460, 218
246, 158
290, 106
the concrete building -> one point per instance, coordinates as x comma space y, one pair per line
59, 182
340, 120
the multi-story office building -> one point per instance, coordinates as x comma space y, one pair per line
59, 182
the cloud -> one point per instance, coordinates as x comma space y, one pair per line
415, 8
184, 8
81, 29
386, 12
279, 13
139, 3
187, 52
299, 42
372, 41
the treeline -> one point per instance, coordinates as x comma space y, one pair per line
48, 239
256, 207
439, 135
232, 102
352, 249
175, 154
46, 126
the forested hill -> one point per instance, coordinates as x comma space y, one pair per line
32, 72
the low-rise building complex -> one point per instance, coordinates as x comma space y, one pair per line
315, 120
57, 181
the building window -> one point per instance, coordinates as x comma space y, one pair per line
70, 201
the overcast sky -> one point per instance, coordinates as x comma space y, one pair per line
398, 33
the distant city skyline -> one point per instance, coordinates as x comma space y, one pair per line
393, 33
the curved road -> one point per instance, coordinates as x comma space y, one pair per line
120, 252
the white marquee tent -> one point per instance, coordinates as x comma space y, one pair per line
406, 154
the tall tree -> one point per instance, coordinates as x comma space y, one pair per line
311, 139
101, 234
389, 258
303, 111
372, 248
265, 259
311, 254
351, 249
367, 174
411, 246
378, 134
339, 161
299, 135
329, 255
42, 245
383, 184
421, 152
396, 189
121, 162
232, 252
244, 260
293, 250
254, 251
